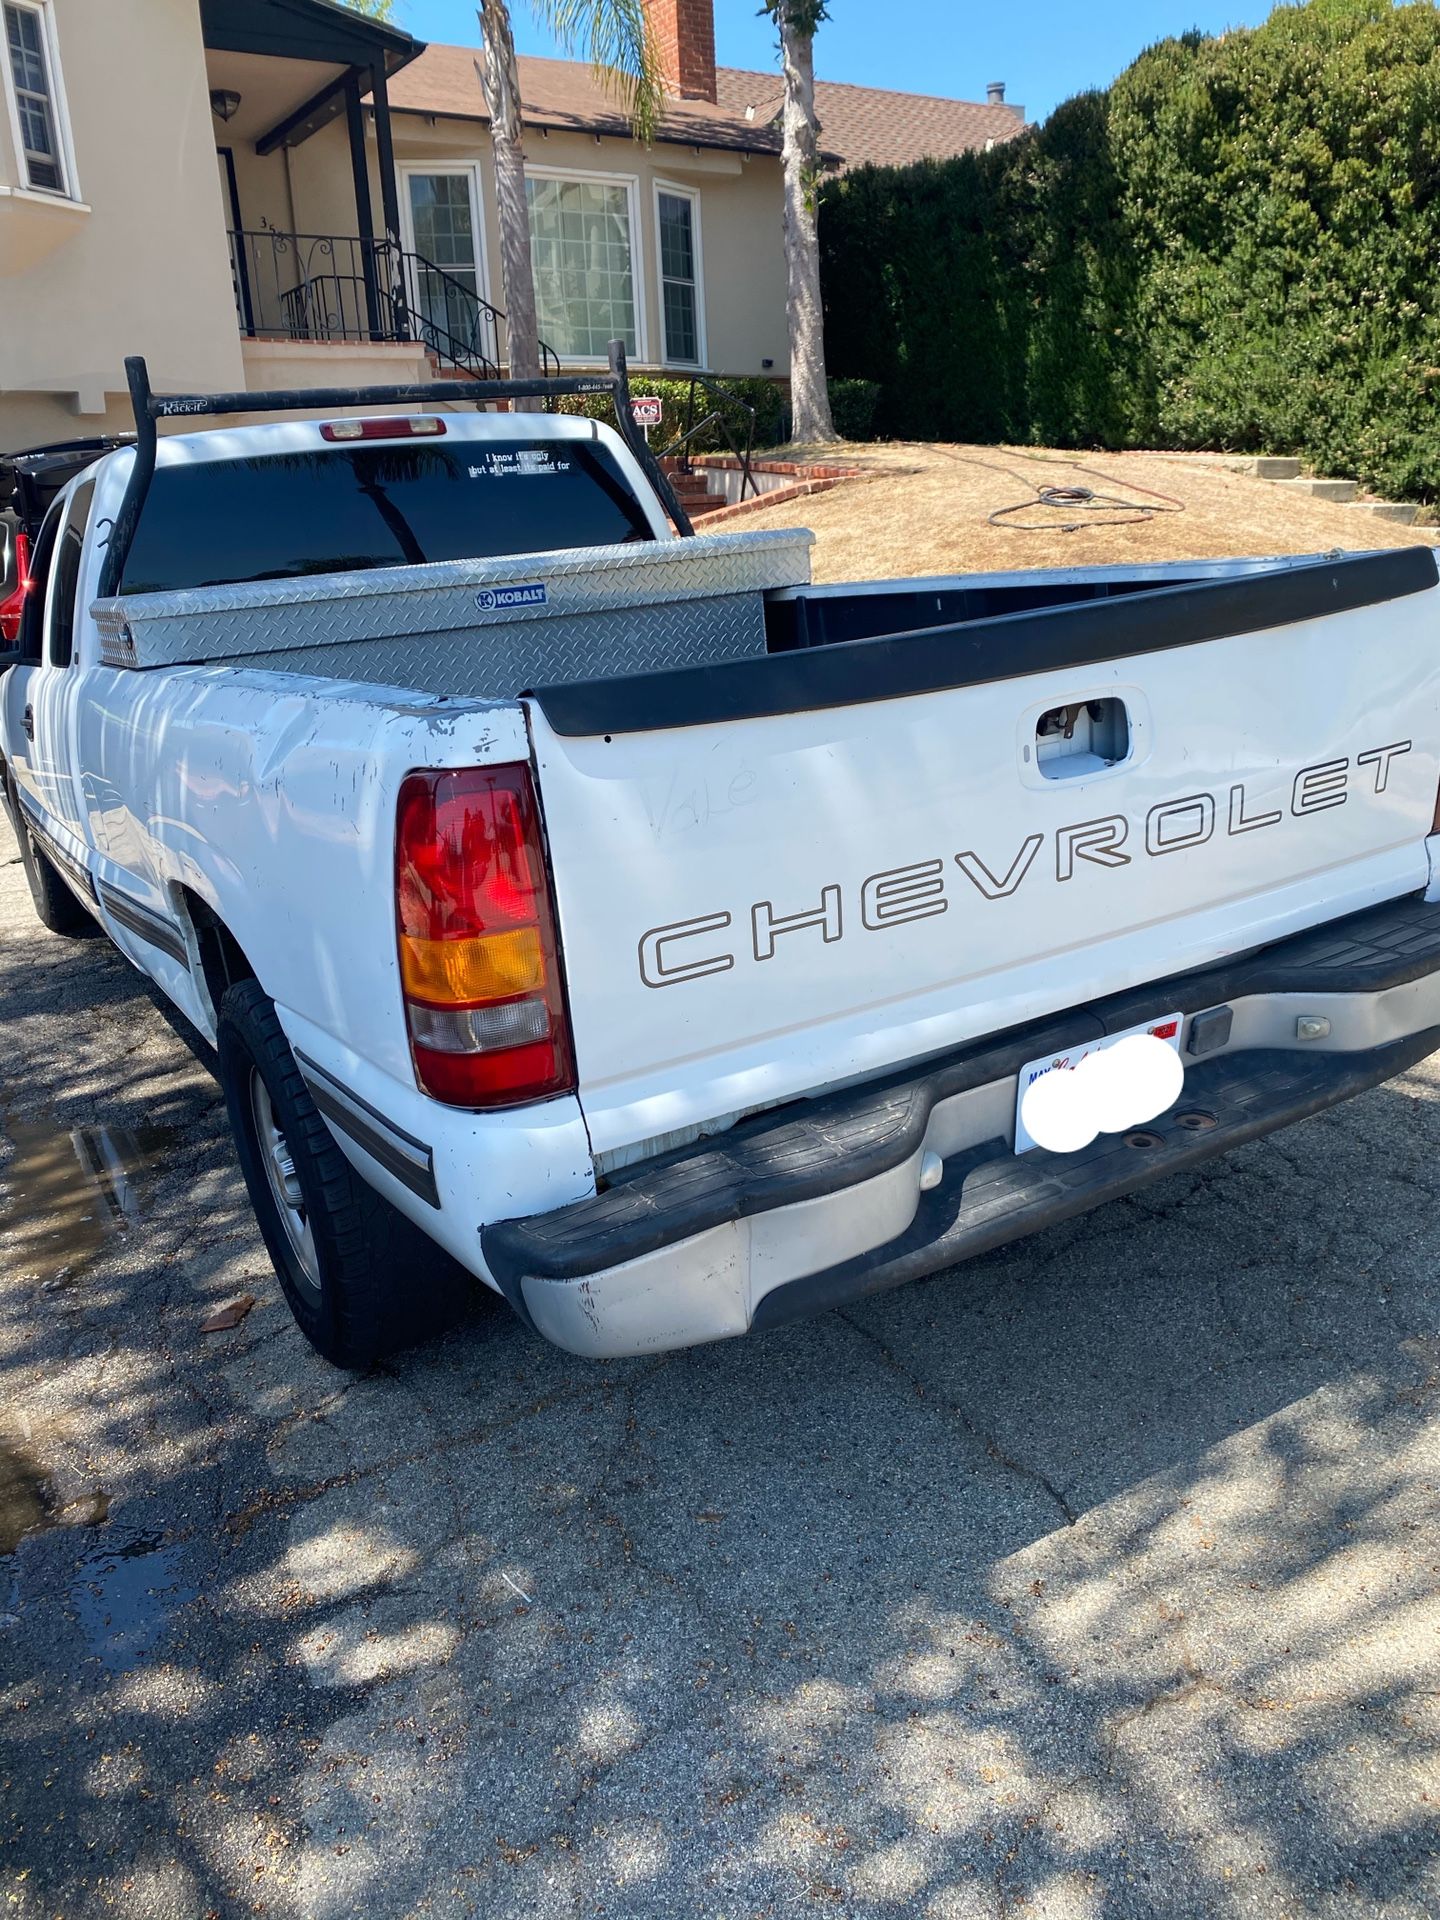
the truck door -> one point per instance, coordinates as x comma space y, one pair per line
54, 684
19, 683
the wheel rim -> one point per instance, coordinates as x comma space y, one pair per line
284, 1183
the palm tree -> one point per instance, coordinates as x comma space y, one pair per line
809, 394
615, 36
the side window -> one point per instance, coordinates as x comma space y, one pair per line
66, 587
37, 114
32, 620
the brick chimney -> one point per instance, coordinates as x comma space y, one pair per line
685, 38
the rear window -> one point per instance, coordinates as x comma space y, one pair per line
278, 516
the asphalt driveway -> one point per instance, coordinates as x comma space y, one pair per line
1099, 1577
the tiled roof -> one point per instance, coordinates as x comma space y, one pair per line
564, 95
873, 124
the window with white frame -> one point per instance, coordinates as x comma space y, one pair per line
677, 222
582, 249
34, 92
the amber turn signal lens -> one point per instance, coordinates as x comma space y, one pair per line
490, 966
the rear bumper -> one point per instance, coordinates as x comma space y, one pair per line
846, 1195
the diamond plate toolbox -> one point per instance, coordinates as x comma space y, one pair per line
482, 628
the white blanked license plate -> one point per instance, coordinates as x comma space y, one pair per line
1167, 1028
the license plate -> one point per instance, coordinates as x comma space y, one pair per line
1166, 1028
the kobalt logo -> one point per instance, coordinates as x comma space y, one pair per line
708, 944
498, 599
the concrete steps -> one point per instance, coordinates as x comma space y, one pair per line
1341, 492
1403, 512
1268, 466
1283, 472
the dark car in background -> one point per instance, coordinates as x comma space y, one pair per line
29, 480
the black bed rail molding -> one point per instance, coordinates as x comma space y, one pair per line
323, 287
151, 408
719, 398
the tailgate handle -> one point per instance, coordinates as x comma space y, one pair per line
1081, 737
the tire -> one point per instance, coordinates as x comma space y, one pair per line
360, 1280
56, 907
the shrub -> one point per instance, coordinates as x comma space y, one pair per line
852, 402
852, 408
764, 396
1233, 248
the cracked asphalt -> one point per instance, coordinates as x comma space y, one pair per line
1096, 1578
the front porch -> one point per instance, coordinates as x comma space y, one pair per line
329, 285
313, 289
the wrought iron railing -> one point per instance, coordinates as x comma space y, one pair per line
720, 398
323, 287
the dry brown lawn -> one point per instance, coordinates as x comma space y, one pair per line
924, 509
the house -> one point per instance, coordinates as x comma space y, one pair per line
677, 248
287, 193
863, 126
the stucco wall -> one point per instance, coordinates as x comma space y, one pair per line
146, 270
743, 255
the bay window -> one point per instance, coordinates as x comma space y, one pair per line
583, 247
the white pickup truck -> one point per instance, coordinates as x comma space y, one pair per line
669, 940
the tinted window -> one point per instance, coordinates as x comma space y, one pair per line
278, 516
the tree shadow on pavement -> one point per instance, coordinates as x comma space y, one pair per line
1096, 1577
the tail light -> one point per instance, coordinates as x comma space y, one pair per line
405, 426
479, 960
12, 607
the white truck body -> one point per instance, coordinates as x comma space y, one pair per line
815, 905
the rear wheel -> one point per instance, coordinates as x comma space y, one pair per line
56, 907
360, 1280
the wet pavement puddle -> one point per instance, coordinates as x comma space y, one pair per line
28, 1503
124, 1586
25, 1501
72, 1190
69, 1192
126, 1590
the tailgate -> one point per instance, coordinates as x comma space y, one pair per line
783, 875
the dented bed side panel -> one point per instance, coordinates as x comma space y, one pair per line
272, 799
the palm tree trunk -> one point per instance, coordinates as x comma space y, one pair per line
809, 395
500, 82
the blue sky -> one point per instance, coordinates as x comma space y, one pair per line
1044, 50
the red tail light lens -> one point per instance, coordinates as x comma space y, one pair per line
479, 959
12, 607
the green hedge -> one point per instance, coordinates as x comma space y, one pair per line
1236, 247
853, 403
765, 396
